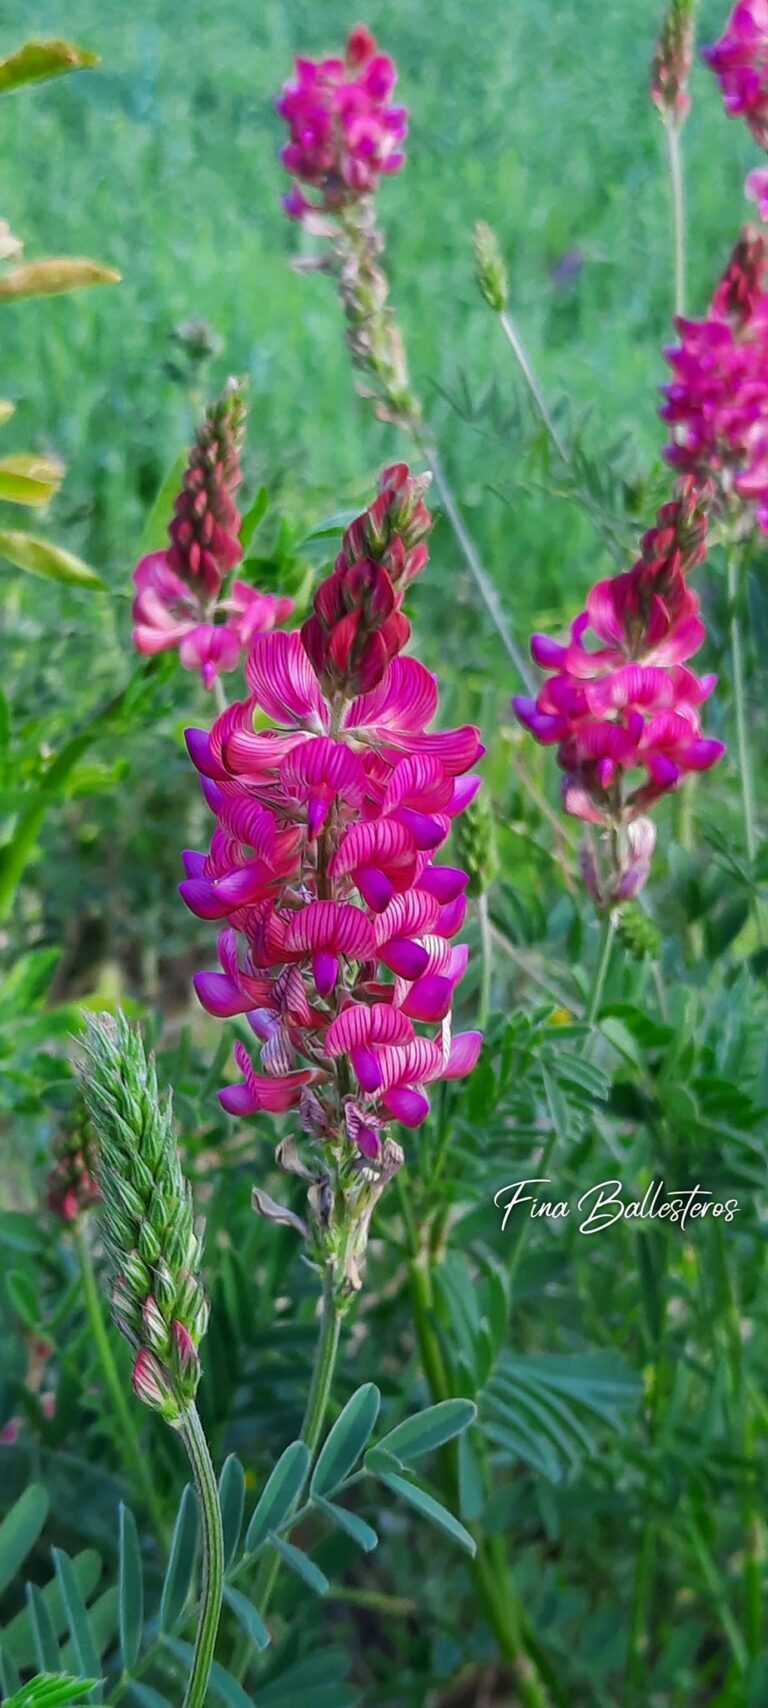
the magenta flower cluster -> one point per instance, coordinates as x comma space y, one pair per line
332, 799
717, 401
344, 134
180, 598
740, 62
631, 704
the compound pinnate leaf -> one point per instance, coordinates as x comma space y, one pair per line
282, 1488
346, 1440
429, 1429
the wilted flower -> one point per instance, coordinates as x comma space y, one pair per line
344, 134
179, 589
631, 704
153, 1243
740, 62
338, 920
672, 62
717, 402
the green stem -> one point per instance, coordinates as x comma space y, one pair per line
473, 561
131, 1445
740, 704
193, 1436
314, 1417
601, 969
753, 1545
523, 360
678, 212
486, 961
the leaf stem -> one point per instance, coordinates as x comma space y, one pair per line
678, 212
526, 368
601, 970
135, 1458
193, 1436
473, 561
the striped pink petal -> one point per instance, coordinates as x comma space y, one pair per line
281, 679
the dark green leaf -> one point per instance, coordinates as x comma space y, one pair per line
130, 1589
354, 1527
346, 1440
430, 1509
300, 1563
20, 1529
281, 1490
181, 1561
77, 1619
248, 1616
428, 1429
231, 1501
44, 1635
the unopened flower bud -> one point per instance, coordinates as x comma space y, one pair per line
490, 271
672, 62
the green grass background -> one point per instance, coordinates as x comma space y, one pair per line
531, 114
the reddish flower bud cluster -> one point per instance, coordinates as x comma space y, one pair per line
740, 62
178, 590
344, 135
672, 62
631, 704
72, 1187
339, 922
357, 625
717, 402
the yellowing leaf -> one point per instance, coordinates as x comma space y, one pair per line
29, 480
54, 277
39, 557
6, 410
38, 60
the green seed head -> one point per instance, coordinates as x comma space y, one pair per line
475, 834
490, 271
152, 1242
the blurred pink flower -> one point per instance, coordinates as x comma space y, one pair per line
740, 62
344, 134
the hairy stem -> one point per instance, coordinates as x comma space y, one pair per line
193, 1436
136, 1461
740, 704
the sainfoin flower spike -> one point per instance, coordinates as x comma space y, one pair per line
338, 919
344, 136
625, 715
672, 61
180, 601
717, 401
152, 1241
740, 63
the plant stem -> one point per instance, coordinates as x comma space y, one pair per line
136, 1460
486, 963
601, 969
219, 694
193, 1436
523, 360
314, 1417
678, 212
753, 1543
473, 561
740, 704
